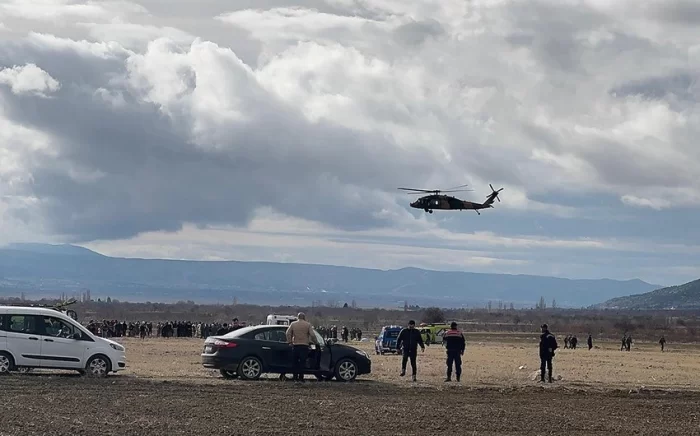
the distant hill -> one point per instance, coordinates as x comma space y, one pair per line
47, 270
685, 296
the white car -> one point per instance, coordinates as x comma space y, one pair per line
33, 337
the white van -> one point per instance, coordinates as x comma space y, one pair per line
33, 337
280, 319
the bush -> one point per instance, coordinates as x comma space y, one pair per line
433, 315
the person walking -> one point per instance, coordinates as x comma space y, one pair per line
454, 342
408, 340
299, 335
590, 341
548, 344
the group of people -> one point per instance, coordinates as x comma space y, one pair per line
331, 332
626, 343
571, 341
169, 329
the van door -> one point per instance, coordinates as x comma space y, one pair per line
59, 349
22, 338
3, 333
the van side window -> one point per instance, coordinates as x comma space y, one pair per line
22, 324
57, 327
2, 322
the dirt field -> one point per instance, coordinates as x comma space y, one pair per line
166, 391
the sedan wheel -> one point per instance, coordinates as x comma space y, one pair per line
250, 368
346, 370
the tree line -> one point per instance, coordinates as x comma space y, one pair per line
677, 326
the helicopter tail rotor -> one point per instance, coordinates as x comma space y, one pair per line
493, 195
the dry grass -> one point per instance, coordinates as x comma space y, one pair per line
489, 361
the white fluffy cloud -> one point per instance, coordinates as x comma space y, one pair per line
204, 115
28, 79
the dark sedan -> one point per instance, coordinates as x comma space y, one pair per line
252, 351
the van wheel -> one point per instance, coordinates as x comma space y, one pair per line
7, 363
98, 366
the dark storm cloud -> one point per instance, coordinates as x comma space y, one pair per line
153, 178
415, 32
676, 87
685, 12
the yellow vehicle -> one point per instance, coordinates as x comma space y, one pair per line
432, 333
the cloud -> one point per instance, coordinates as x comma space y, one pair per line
180, 116
644, 202
60, 10
28, 79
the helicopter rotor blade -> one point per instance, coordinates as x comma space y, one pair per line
418, 190
456, 187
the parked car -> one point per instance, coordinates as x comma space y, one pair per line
32, 337
252, 351
386, 341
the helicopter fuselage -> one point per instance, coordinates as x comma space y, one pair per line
446, 202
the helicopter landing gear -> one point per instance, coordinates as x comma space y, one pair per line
477, 212
428, 210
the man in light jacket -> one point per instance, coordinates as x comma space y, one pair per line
299, 335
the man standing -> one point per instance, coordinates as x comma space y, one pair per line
662, 341
235, 326
454, 344
590, 341
299, 336
548, 343
410, 338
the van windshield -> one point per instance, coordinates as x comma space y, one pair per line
391, 334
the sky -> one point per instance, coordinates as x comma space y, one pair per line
280, 131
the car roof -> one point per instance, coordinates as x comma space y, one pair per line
252, 328
30, 310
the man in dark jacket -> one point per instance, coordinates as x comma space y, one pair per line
548, 343
455, 344
410, 338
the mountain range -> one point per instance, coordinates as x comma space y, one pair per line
42, 270
686, 296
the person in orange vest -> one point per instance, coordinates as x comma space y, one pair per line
454, 342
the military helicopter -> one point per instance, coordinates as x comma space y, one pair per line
447, 202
